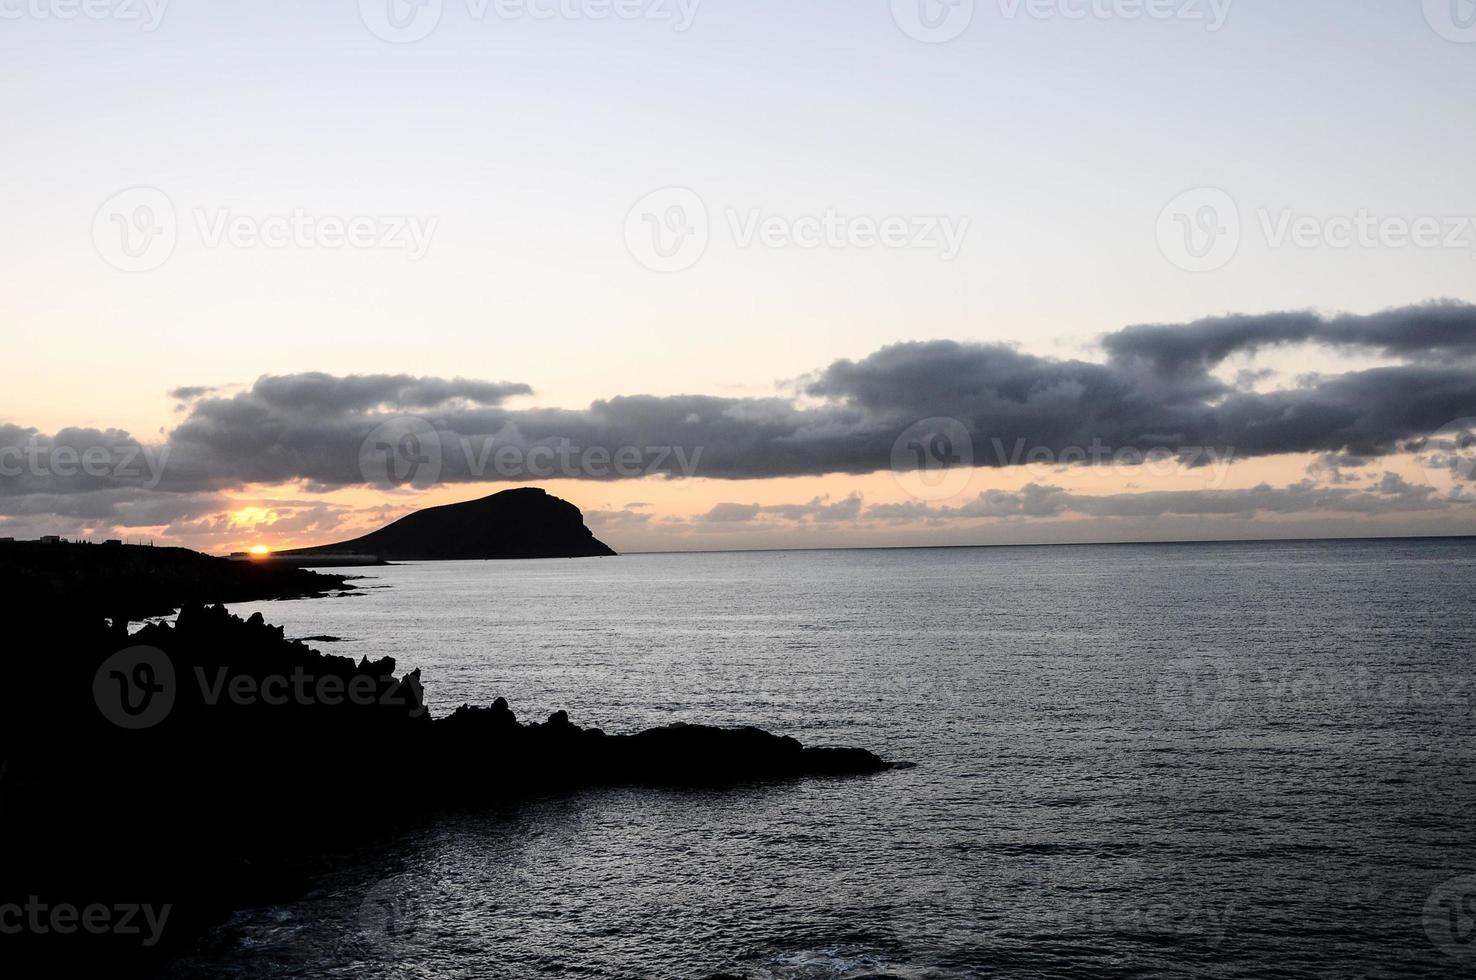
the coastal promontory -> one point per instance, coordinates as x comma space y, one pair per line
527, 522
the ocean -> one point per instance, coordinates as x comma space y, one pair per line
1124, 761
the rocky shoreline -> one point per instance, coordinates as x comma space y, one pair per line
136, 582
194, 765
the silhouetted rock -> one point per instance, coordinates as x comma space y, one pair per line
524, 523
560, 754
194, 764
136, 581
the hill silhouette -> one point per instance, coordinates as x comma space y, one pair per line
524, 523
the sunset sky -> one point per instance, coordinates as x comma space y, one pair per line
783, 238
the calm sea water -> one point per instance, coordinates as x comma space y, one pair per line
1223, 760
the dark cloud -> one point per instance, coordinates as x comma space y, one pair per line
1390, 494
1251, 377
1330, 468
627, 517
728, 513
1156, 389
324, 394
190, 393
121, 507
820, 510
76, 461
1430, 332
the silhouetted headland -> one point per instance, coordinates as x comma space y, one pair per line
524, 523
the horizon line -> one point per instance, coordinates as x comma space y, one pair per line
1064, 544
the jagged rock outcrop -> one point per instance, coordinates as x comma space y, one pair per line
194, 764
560, 753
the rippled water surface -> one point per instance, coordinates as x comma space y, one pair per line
1130, 761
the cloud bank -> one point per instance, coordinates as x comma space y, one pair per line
1154, 387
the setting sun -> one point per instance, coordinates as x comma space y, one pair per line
260, 550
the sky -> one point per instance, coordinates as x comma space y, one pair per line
812, 245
